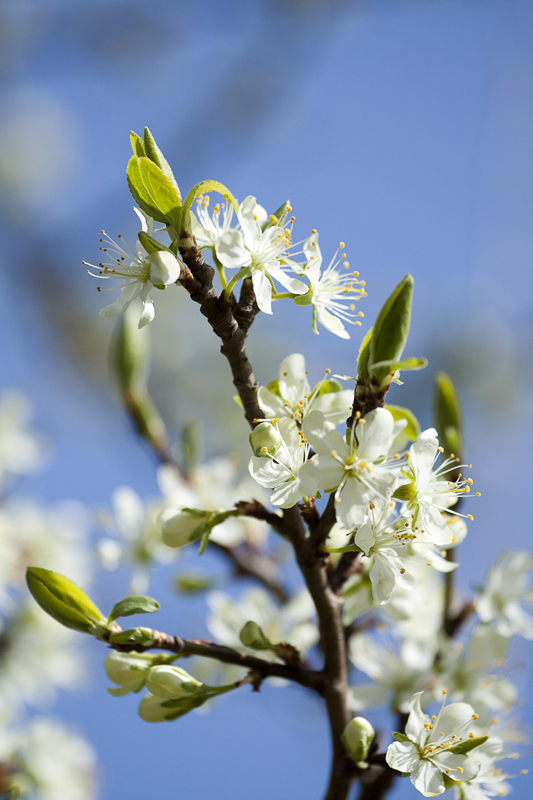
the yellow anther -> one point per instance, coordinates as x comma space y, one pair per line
478, 494
441, 449
402, 571
328, 371
313, 231
273, 218
460, 769
475, 716
344, 255
362, 422
470, 516
333, 453
342, 245
471, 735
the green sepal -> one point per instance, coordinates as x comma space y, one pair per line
448, 415
391, 328
154, 154
137, 144
253, 637
201, 188
303, 299
362, 358
467, 745
64, 601
153, 192
151, 245
406, 492
280, 214
204, 531
412, 429
136, 604
349, 548
273, 387
133, 636
400, 737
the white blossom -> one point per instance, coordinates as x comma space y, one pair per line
426, 753
433, 493
21, 449
332, 293
356, 472
261, 254
291, 395
208, 229
507, 587
138, 271
281, 471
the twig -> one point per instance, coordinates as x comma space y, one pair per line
220, 315
255, 565
329, 611
348, 565
185, 648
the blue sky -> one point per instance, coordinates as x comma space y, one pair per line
402, 127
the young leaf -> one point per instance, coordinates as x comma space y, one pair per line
412, 429
391, 328
280, 214
136, 604
252, 636
64, 601
150, 244
143, 636
153, 191
363, 356
154, 154
208, 186
137, 144
448, 415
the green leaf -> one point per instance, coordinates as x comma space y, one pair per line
363, 356
388, 367
154, 154
142, 636
391, 328
150, 244
400, 737
448, 415
153, 191
64, 601
208, 186
412, 429
329, 387
465, 747
137, 145
136, 604
280, 214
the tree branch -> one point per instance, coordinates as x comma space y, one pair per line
329, 611
221, 315
255, 565
227, 655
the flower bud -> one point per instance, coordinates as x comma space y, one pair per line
164, 268
155, 709
128, 671
172, 683
252, 636
357, 738
265, 439
184, 527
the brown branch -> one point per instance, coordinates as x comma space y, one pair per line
329, 612
249, 562
348, 565
221, 315
227, 655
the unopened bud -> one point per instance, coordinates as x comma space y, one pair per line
129, 670
265, 439
172, 683
184, 527
252, 636
164, 268
357, 738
